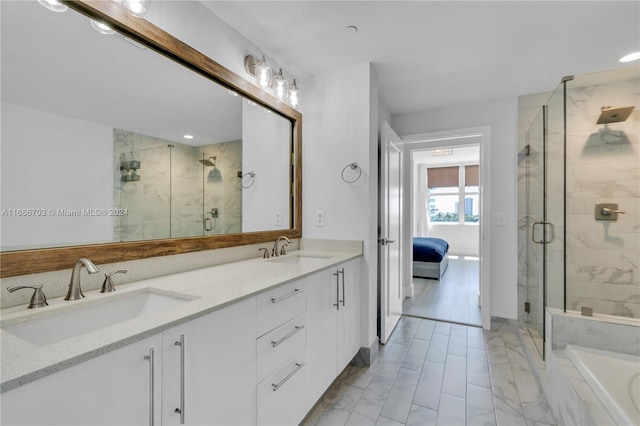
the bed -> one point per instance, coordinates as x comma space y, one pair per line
430, 257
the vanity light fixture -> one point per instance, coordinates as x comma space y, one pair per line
262, 72
294, 94
630, 57
53, 5
280, 86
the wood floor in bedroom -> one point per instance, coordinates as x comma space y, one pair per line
454, 298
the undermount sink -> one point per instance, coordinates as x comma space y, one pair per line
55, 327
299, 259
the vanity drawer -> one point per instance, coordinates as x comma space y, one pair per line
280, 344
282, 396
277, 306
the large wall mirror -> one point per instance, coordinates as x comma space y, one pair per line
130, 145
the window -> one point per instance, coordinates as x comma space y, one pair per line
452, 187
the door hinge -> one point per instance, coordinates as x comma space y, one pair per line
527, 307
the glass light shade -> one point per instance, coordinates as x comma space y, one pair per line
53, 5
294, 94
137, 7
102, 28
280, 86
263, 73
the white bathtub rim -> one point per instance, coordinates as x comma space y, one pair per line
605, 399
613, 319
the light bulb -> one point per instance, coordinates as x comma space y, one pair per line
280, 86
263, 73
53, 5
102, 28
294, 94
137, 7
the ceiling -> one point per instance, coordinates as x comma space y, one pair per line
430, 54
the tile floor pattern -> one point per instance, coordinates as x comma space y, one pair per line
452, 298
438, 373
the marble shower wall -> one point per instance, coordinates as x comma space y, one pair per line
603, 166
175, 190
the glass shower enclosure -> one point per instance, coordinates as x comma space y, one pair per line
579, 201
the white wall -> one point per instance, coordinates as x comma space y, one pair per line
463, 239
501, 116
40, 171
340, 127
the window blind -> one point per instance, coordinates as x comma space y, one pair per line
442, 177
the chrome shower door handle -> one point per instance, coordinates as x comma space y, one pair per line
552, 233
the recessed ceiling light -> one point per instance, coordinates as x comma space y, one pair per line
351, 29
188, 136
630, 57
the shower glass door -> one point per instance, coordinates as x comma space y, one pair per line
534, 164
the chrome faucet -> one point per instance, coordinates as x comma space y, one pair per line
275, 252
75, 292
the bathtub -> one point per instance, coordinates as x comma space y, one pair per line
614, 378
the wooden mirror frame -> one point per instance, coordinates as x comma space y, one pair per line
120, 19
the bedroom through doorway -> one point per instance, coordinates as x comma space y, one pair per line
446, 233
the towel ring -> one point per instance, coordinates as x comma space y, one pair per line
252, 176
355, 169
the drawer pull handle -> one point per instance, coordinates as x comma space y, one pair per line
295, 330
286, 296
290, 375
152, 365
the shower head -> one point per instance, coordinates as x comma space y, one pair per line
614, 115
208, 162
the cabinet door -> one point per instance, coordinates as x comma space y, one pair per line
217, 356
348, 331
321, 333
112, 389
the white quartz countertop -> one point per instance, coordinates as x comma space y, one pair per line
207, 289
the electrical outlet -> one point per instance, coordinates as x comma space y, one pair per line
319, 218
497, 219
278, 218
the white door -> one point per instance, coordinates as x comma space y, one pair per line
389, 238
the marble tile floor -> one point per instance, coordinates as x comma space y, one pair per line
452, 298
438, 373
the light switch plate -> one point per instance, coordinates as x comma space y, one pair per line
320, 218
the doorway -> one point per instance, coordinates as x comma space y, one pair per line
446, 214
479, 136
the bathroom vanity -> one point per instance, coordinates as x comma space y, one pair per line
249, 342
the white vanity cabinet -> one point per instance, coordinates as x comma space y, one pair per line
112, 389
333, 315
209, 368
